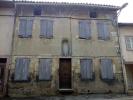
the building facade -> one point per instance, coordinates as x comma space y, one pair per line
6, 30
126, 38
64, 47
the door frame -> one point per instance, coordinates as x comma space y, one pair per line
6, 75
59, 76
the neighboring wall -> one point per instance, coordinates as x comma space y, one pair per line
6, 30
126, 30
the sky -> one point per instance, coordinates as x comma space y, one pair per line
126, 14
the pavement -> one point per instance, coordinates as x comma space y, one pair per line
78, 97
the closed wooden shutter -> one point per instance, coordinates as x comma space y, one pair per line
107, 69
46, 28
45, 69
22, 69
22, 27
85, 29
43, 28
86, 69
49, 29
29, 28
103, 32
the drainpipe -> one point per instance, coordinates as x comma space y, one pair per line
120, 47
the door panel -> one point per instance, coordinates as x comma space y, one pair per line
2, 66
65, 74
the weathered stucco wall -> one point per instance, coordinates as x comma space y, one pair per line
36, 47
6, 30
126, 31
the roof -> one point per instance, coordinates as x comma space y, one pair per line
88, 5
125, 24
6, 3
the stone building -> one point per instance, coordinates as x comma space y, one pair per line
126, 38
6, 30
64, 47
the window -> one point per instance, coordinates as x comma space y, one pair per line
37, 10
46, 28
103, 32
45, 65
93, 14
25, 28
129, 42
107, 69
22, 69
86, 68
84, 29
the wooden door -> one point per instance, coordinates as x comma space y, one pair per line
2, 67
65, 74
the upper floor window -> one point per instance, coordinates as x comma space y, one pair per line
22, 69
86, 68
129, 42
46, 28
84, 29
37, 10
93, 14
107, 69
103, 31
25, 28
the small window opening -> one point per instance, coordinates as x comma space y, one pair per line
3, 60
37, 10
93, 14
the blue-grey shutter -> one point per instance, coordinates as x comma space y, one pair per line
89, 69
22, 27
43, 28
103, 32
106, 31
29, 28
45, 69
18, 69
49, 29
21, 69
86, 68
25, 71
84, 29
107, 69
100, 30
103, 69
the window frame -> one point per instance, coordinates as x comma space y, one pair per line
131, 42
46, 35
92, 69
28, 76
25, 34
90, 32
37, 77
107, 78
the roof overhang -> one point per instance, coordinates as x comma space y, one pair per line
74, 5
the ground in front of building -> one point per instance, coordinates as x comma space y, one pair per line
78, 97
